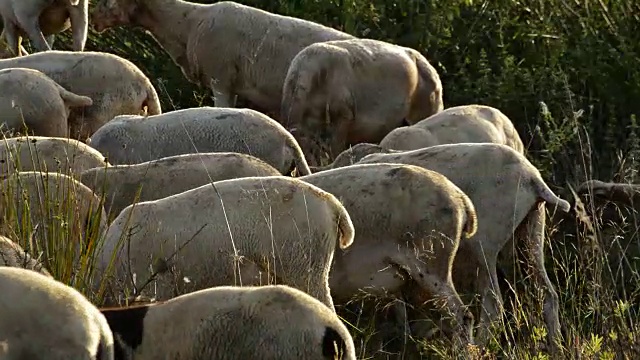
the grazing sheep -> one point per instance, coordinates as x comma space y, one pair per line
248, 231
273, 322
459, 124
131, 139
168, 176
508, 193
12, 254
407, 220
36, 19
350, 91
45, 319
115, 85
56, 204
352, 155
257, 45
29, 98
48, 154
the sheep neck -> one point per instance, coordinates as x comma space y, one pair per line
169, 22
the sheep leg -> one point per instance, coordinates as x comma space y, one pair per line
11, 36
29, 19
534, 239
79, 24
491, 301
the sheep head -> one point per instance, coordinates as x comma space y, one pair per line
110, 13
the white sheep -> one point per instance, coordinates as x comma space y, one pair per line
152, 180
509, 194
248, 231
408, 223
30, 102
61, 212
129, 139
43, 318
12, 254
228, 323
39, 18
116, 85
48, 154
344, 92
232, 48
459, 124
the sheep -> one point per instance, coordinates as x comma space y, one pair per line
12, 254
232, 322
459, 124
131, 139
29, 98
48, 154
37, 18
257, 45
252, 230
352, 155
58, 206
356, 90
168, 176
43, 318
115, 85
407, 220
508, 193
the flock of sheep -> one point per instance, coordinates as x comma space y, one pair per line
202, 208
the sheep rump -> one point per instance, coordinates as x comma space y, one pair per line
45, 319
130, 139
368, 86
392, 238
115, 85
459, 124
29, 98
229, 322
167, 176
228, 233
48, 154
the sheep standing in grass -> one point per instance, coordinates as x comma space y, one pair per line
29, 98
39, 18
459, 124
12, 254
135, 139
345, 92
508, 193
45, 319
62, 212
232, 48
273, 322
408, 221
248, 231
152, 180
116, 85
48, 154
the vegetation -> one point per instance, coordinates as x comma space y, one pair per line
567, 72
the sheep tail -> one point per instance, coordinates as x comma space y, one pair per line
543, 191
152, 102
333, 345
73, 100
345, 227
471, 221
